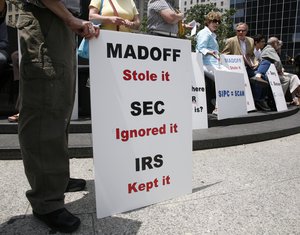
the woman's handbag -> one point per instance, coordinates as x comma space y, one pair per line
181, 29
83, 49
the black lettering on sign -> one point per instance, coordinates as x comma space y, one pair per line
139, 52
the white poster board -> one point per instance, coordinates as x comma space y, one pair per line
230, 93
199, 107
141, 119
236, 63
276, 88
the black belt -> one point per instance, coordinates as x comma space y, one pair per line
163, 33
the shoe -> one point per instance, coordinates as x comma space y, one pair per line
295, 102
60, 220
215, 112
75, 185
13, 118
262, 105
259, 80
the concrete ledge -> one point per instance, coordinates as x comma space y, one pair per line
83, 125
251, 117
223, 136
267, 126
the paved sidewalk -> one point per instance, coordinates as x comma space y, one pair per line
246, 189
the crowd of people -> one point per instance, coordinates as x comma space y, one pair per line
47, 81
257, 59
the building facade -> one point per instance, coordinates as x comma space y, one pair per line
280, 18
185, 5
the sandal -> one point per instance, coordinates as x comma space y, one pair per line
14, 118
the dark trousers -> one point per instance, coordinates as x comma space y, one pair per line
47, 88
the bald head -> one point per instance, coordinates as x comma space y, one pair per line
275, 43
272, 40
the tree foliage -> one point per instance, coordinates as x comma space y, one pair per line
225, 30
143, 27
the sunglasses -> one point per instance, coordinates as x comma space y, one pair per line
216, 21
241, 31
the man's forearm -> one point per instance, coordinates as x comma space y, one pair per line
81, 27
58, 8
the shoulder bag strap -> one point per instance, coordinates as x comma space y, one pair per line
115, 12
101, 6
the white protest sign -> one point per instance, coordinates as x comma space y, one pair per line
199, 107
193, 24
230, 93
236, 63
141, 119
276, 88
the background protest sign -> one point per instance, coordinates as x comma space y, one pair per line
199, 107
276, 88
235, 63
230, 93
141, 119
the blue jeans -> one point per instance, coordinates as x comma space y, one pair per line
259, 92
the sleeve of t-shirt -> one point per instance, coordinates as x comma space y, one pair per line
135, 10
95, 3
159, 5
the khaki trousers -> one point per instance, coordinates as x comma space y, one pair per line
47, 88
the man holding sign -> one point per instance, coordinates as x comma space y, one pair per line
47, 90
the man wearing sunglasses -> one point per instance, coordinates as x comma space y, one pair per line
243, 45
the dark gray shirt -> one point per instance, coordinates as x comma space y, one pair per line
72, 5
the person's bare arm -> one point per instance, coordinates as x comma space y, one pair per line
134, 24
170, 16
100, 19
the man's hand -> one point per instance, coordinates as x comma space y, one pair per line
83, 28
